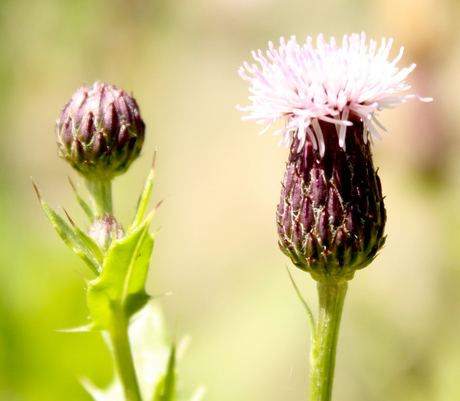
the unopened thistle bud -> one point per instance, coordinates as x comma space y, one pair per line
331, 216
104, 231
100, 131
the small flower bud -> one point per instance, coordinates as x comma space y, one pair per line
331, 216
100, 131
104, 231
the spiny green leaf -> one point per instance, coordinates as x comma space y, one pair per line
119, 291
166, 389
144, 198
87, 240
151, 352
82, 203
69, 236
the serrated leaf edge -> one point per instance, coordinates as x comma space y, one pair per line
69, 236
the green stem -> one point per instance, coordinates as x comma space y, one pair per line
124, 360
323, 350
101, 197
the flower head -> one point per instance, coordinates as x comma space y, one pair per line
100, 131
304, 85
331, 216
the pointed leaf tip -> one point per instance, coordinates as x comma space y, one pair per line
37, 191
68, 217
149, 217
154, 158
158, 205
166, 388
71, 236
143, 199
81, 202
72, 184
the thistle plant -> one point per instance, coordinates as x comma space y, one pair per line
331, 217
100, 133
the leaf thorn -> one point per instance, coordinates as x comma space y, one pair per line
154, 158
68, 217
36, 190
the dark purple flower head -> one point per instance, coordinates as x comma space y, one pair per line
100, 131
331, 216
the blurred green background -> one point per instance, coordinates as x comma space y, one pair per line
217, 247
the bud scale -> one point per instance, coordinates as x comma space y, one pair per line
100, 131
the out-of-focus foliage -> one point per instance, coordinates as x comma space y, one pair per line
217, 248
154, 358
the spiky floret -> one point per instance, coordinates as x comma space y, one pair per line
305, 85
100, 131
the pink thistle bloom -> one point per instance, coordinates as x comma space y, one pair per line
304, 85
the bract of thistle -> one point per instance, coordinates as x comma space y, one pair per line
100, 131
304, 85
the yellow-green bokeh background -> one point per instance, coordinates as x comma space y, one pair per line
217, 248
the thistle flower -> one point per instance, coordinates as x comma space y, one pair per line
331, 216
100, 131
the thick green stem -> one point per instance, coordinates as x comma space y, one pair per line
323, 351
124, 360
101, 197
